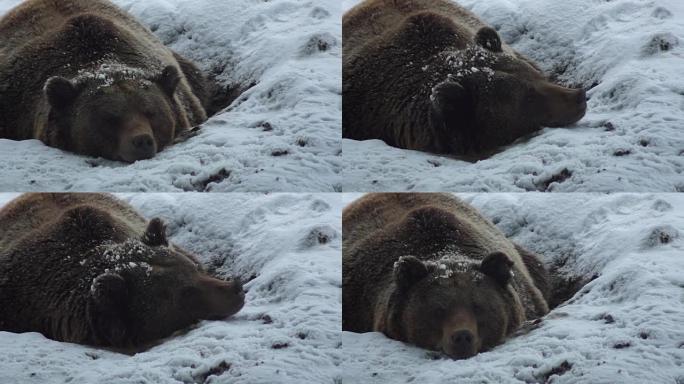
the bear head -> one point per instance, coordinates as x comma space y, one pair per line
117, 113
447, 292
456, 306
479, 87
145, 289
500, 95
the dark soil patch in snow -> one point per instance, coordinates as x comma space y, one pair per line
559, 177
661, 42
204, 185
318, 235
660, 236
214, 371
279, 152
557, 371
319, 43
607, 318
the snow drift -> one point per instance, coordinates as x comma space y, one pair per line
288, 248
627, 53
281, 135
622, 327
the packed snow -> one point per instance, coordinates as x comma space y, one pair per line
286, 246
628, 54
625, 326
282, 135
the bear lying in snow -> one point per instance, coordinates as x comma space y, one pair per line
429, 270
86, 77
429, 75
86, 268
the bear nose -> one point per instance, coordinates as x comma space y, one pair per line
143, 142
143, 146
462, 340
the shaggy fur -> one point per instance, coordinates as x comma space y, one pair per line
83, 76
428, 268
86, 268
429, 75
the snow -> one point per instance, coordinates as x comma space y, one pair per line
281, 135
288, 331
623, 327
628, 53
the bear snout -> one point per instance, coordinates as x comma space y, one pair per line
139, 147
564, 106
461, 344
460, 334
143, 143
225, 298
137, 141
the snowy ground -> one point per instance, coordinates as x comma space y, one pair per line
623, 327
628, 52
281, 135
288, 331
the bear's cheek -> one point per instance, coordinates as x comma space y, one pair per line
492, 325
91, 136
164, 132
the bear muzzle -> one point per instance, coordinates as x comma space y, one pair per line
137, 141
564, 106
460, 335
224, 298
462, 344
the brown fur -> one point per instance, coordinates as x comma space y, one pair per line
86, 268
54, 55
408, 80
428, 269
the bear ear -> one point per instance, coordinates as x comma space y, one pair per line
60, 92
155, 234
497, 266
408, 270
448, 98
488, 39
169, 79
106, 309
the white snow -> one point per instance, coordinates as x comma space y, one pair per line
288, 331
623, 327
629, 52
281, 135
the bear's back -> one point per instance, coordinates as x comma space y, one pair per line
32, 214
374, 18
36, 19
375, 213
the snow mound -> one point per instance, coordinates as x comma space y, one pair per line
288, 249
281, 135
628, 54
622, 327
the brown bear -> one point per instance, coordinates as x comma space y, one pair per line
429, 75
429, 270
88, 269
85, 76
